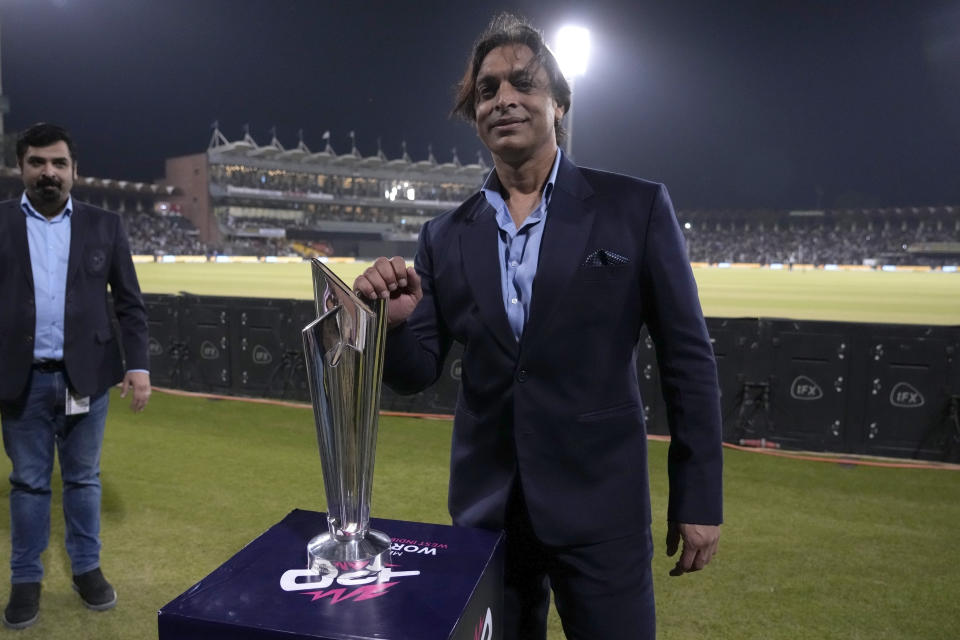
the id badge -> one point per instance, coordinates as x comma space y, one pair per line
77, 404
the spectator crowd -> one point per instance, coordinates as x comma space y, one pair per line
157, 234
712, 237
819, 242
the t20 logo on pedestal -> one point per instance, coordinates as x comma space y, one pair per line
484, 628
346, 582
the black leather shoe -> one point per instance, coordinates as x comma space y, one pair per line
24, 605
94, 590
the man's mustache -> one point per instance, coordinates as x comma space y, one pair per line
42, 183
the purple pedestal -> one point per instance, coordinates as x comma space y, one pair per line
444, 583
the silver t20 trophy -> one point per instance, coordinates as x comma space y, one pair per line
344, 352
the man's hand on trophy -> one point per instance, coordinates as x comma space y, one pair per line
394, 281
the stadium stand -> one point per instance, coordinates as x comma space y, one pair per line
239, 198
156, 234
153, 225
238, 191
353, 205
916, 235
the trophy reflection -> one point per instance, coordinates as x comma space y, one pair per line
344, 355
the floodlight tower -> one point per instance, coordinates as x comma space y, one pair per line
4, 103
573, 52
4, 109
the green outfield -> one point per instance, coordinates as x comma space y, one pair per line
809, 549
855, 296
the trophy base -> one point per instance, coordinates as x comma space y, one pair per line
328, 554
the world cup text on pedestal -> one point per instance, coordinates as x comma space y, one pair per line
344, 355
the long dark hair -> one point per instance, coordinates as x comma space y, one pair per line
504, 29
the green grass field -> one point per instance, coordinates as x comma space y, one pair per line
855, 296
809, 549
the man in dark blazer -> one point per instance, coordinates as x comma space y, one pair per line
546, 277
58, 358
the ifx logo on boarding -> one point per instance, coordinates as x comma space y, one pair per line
259, 354
903, 395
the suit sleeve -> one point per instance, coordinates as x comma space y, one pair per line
416, 349
688, 371
128, 303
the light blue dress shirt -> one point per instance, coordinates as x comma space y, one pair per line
519, 249
49, 243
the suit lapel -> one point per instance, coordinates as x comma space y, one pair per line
20, 242
569, 220
481, 268
78, 235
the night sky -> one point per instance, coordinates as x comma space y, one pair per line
745, 103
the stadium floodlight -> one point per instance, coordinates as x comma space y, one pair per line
573, 52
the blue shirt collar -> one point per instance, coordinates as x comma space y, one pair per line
28, 209
491, 191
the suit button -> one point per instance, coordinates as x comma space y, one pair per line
522, 375
28, 339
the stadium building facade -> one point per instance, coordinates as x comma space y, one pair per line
123, 196
248, 198
240, 198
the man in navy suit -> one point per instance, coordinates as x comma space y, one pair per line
546, 277
58, 358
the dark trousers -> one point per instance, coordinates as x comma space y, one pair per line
602, 591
